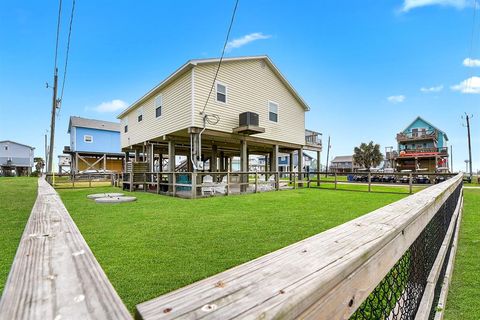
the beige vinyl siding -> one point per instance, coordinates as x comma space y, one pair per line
250, 85
176, 113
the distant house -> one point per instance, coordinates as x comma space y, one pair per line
15, 158
343, 164
422, 147
94, 145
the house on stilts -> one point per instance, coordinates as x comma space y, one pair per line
187, 132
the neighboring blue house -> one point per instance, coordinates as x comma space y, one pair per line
15, 158
422, 147
94, 145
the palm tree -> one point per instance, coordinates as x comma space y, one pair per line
368, 155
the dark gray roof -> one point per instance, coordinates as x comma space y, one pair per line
21, 144
94, 124
343, 159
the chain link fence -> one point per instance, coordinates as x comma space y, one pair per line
399, 294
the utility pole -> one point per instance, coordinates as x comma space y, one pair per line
328, 154
52, 123
467, 118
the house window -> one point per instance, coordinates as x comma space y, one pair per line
140, 114
221, 92
273, 111
6, 148
87, 138
158, 106
125, 124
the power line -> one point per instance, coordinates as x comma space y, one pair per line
68, 50
58, 34
223, 53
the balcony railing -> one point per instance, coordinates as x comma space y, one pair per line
417, 135
424, 152
313, 138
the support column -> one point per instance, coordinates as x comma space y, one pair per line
290, 160
318, 168
213, 159
171, 164
151, 157
104, 162
300, 165
243, 164
274, 160
222, 161
127, 158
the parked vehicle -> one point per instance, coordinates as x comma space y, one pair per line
390, 179
360, 178
376, 178
422, 179
439, 179
405, 179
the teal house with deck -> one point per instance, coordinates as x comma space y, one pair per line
422, 147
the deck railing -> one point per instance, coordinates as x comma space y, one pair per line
388, 264
201, 184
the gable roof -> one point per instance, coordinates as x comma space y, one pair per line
20, 144
343, 159
192, 63
431, 125
93, 124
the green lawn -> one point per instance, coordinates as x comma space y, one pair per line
17, 196
463, 298
160, 243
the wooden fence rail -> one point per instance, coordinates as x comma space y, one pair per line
326, 276
55, 274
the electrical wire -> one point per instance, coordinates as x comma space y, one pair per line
58, 35
66, 55
221, 57
472, 41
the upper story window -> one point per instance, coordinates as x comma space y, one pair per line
125, 124
140, 114
273, 111
6, 148
87, 138
221, 90
158, 106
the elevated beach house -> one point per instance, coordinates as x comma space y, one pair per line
94, 146
249, 108
16, 159
422, 147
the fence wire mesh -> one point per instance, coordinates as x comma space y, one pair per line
399, 293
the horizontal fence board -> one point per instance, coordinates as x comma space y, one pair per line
55, 274
323, 277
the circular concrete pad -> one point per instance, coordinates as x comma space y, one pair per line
115, 199
104, 195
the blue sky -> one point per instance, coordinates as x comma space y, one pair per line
361, 65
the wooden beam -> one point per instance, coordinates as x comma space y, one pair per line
55, 274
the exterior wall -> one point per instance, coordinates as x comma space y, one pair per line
250, 85
176, 113
419, 123
103, 140
18, 154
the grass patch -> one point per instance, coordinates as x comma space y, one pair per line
463, 302
159, 243
17, 196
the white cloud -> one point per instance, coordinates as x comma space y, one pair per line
412, 4
240, 42
110, 106
396, 99
471, 85
432, 89
468, 62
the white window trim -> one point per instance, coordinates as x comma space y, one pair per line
140, 112
268, 110
226, 92
85, 138
156, 106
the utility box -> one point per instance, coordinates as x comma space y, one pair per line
248, 119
